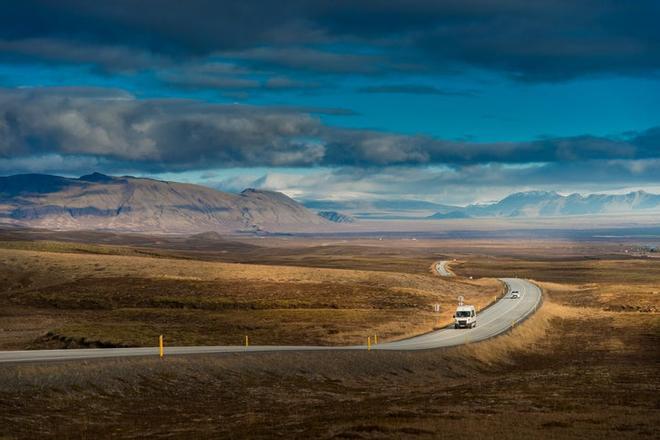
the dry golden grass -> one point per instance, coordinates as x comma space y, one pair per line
569, 270
638, 297
584, 366
631, 285
521, 338
69, 247
121, 300
548, 378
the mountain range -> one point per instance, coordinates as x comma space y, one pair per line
100, 202
551, 204
527, 204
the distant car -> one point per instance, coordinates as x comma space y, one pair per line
515, 294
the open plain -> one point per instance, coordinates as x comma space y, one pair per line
586, 365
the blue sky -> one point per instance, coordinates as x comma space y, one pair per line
443, 101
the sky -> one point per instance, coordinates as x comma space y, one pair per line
448, 101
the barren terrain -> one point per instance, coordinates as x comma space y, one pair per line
58, 299
585, 366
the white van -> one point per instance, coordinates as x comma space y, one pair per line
465, 317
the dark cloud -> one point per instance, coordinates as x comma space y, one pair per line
545, 40
284, 83
230, 77
314, 60
187, 135
155, 134
647, 141
211, 82
108, 58
164, 26
414, 89
366, 148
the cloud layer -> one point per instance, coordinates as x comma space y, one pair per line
452, 185
545, 40
441, 67
175, 135
76, 130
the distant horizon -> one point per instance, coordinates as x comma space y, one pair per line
304, 201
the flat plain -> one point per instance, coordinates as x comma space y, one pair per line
587, 365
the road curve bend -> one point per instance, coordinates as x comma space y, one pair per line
491, 321
442, 269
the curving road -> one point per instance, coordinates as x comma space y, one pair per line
442, 269
492, 321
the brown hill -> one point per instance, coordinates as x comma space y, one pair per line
101, 202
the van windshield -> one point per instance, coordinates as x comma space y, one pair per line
463, 314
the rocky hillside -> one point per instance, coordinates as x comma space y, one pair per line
336, 217
101, 202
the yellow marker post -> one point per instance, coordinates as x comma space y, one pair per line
160, 344
369, 343
512, 324
375, 339
247, 341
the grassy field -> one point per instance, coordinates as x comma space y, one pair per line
585, 366
547, 379
124, 300
625, 285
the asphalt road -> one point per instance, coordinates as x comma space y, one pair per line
441, 268
492, 321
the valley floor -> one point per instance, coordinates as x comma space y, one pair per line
585, 366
